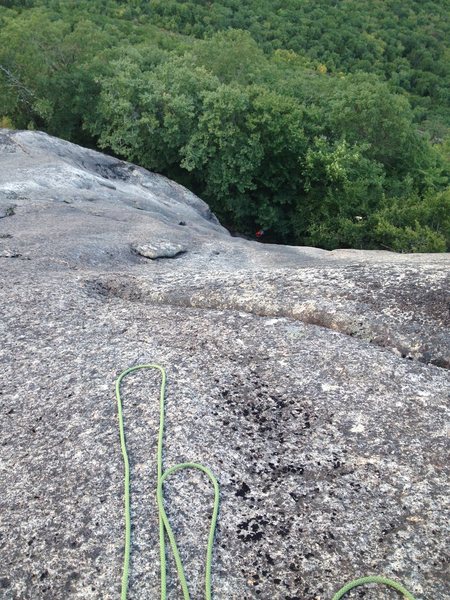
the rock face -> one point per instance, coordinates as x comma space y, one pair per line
313, 384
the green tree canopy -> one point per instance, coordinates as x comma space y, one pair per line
322, 122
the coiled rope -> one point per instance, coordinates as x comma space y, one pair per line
164, 524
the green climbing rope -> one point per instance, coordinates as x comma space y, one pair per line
164, 524
372, 579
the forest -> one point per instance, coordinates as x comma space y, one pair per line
320, 122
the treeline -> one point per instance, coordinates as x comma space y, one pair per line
310, 120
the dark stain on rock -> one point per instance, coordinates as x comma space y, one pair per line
243, 490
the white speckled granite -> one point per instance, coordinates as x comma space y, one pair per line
312, 383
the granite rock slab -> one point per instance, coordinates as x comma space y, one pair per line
314, 384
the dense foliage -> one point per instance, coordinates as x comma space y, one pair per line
323, 122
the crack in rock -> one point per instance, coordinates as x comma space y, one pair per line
407, 340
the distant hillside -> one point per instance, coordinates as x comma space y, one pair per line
319, 122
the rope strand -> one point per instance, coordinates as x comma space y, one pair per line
164, 524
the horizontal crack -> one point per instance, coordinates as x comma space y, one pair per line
404, 343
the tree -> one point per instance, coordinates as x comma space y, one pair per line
247, 151
148, 116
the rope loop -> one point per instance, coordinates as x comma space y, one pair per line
165, 529
373, 579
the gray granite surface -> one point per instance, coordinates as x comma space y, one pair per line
314, 384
